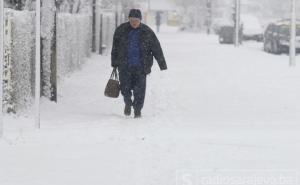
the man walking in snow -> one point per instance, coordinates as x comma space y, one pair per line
157, 21
134, 46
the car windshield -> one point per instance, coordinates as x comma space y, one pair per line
285, 29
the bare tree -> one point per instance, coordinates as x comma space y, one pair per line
15, 4
30, 5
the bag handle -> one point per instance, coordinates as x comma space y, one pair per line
114, 74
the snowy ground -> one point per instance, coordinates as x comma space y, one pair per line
216, 108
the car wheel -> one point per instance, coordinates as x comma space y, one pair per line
221, 40
267, 47
276, 48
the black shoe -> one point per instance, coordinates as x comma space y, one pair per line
127, 110
137, 114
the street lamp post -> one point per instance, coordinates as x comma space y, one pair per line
293, 34
237, 22
208, 16
94, 27
37, 63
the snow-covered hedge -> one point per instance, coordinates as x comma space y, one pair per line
74, 39
19, 59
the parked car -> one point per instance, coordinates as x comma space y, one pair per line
277, 37
226, 35
252, 29
218, 23
173, 18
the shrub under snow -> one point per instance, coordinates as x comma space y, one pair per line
19, 59
74, 39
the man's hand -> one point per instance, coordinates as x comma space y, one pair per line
163, 68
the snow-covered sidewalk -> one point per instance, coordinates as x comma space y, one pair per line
217, 107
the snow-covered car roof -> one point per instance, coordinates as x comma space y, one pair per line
251, 24
286, 22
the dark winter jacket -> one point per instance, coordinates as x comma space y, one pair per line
149, 48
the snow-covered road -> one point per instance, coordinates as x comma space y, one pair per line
217, 107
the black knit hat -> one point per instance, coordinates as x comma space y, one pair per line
135, 13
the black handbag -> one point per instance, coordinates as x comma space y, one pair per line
112, 88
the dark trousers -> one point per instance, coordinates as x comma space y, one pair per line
133, 82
